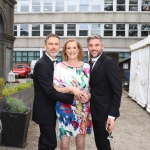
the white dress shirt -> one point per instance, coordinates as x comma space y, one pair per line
52, 59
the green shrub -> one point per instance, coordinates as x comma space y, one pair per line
16, 105
8, 91
23, 86
2, 85
11, 89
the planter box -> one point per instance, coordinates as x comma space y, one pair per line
15, 128
2, 105
28, 96
0, 133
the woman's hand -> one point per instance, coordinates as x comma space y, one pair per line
77, 92
89, 95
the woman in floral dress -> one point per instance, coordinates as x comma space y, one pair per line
72, 76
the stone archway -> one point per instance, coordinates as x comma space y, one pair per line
1, 46
1, 24
6, 36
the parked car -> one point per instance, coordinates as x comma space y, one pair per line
21, 70
33, 62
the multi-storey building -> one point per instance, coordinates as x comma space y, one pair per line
120, 23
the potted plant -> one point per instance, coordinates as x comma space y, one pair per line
2, 99
2, 85
15, 122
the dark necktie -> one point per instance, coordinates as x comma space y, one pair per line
91, 64
55, 62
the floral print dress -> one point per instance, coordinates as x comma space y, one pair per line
76, 118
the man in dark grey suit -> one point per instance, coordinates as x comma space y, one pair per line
106, 91
46, 96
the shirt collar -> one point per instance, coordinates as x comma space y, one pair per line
52, 59
95, 59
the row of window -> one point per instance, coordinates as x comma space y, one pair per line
28, 56
81, 5
83, 29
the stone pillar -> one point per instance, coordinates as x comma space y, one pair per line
6, 36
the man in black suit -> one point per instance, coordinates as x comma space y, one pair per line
106, 91
46, 96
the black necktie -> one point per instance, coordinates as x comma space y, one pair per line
91, 64
55, 61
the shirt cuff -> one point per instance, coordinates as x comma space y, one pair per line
74, 103
111, 117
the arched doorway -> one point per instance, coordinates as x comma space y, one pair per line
1, 25
1, 46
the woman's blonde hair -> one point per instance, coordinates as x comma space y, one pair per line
80, 54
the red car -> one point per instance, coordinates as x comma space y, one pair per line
21, 70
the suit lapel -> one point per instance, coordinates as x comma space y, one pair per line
97, 65
48, 60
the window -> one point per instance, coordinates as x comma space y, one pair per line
108, 5
96, 5
33, 56
125, 65
145, 5
95, 28
16, 8
59, 5
59, 57
15, 29
24, 5
120, 5
120, 29
35, 29
25, 57
24, 30
133, 30
133, 5
83, 5
85, 59
71, 29
108, 29
145, 29
124, 55
59, 29
47, 5
71, 5
18, 57
36, 5
47, 29
83, 29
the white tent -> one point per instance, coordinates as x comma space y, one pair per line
139, 88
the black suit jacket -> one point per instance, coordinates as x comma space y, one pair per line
106, 89
45, 95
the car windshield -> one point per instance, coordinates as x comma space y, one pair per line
19, 66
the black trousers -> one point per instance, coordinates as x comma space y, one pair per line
47, 139
100, 134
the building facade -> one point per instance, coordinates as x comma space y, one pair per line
120, 23
6, 36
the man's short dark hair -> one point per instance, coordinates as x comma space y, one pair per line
51, 35
95, 36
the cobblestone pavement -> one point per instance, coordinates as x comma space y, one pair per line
132, 130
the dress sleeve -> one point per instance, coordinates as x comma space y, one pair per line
57, 75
